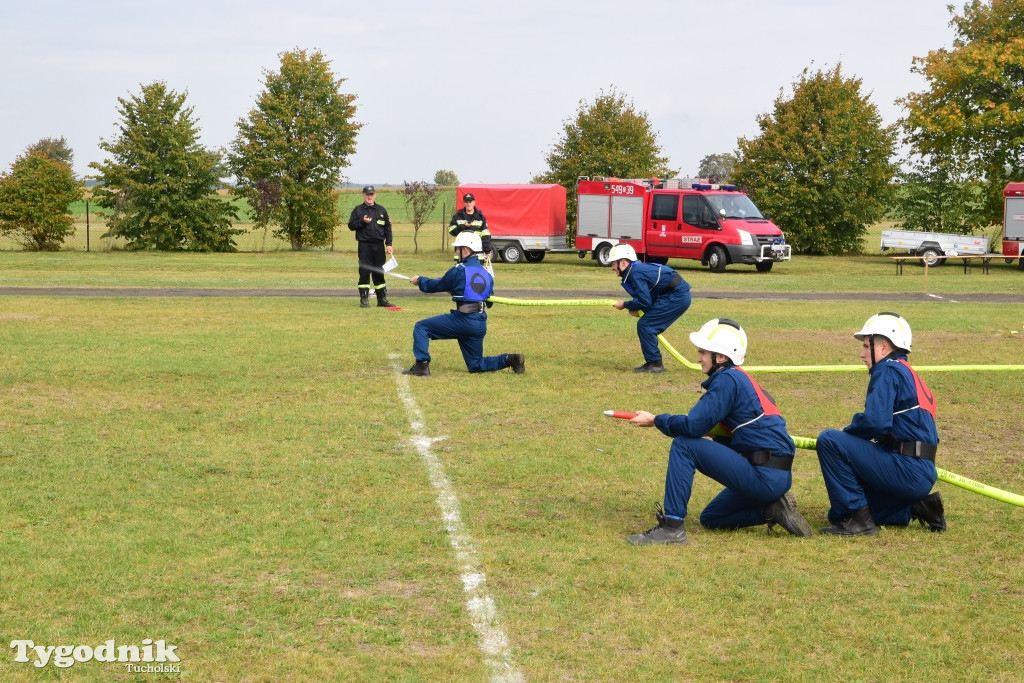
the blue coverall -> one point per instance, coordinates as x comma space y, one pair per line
858, 471
468, 328
730, 398
646, 283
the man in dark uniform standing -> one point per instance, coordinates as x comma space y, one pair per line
470, 218
372, 227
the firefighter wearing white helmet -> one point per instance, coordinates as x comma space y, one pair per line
470, 285
752, 457
880, 469
660, 297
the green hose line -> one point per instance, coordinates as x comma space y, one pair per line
803, 441
752, 368
552, 302
946, 476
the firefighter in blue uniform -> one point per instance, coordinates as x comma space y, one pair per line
470, 285
753, 458
879, 469
659, 292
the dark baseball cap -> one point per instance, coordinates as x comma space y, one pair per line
468, 198
369, 190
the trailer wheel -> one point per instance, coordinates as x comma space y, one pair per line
932, 257
602, 254
534, 256
764, 266
716, 259
513, 253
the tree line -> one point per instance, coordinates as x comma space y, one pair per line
823, 163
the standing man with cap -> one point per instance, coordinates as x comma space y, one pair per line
470, 218
372, 227
753, 458
659, 292
880, 468
470, 286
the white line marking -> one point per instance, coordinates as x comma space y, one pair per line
482, 611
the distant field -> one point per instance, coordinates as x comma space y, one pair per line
432, 236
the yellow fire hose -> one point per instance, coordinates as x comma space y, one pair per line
801, 441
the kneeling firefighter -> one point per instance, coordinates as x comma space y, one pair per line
470, 286
753, 458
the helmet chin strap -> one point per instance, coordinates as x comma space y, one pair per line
715, 365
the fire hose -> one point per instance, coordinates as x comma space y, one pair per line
801, 441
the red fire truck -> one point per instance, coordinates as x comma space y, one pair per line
1013, 223
713, 224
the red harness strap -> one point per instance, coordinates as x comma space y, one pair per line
925, 397
768, 406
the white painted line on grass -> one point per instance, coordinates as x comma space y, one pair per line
482, 611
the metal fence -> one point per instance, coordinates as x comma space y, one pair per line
90, 227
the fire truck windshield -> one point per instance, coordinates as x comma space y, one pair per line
733, 206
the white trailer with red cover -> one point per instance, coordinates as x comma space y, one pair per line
525, 221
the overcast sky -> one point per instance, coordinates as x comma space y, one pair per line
481, 88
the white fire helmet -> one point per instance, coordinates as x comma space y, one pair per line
723, 336
622, 251
469, 239
892, 326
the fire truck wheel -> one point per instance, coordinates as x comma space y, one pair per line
513, 253
716, 259
534, 256
764, 266
1020, 264
602, 253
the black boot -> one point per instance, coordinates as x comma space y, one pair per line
420, 368
653, 366
668, 531
382, 297
364, 297
857, 523
930, 511
783, 512
517, 362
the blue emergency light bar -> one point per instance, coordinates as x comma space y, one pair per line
706, 186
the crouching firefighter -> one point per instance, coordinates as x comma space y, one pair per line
660, 296
752, 457
470, 286
880, 468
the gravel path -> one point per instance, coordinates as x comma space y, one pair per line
973, 297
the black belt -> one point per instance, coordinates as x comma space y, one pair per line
764, 458
913, 449
472, 307
672, 284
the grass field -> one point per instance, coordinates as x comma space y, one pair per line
240, 477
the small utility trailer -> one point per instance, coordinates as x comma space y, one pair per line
932, 247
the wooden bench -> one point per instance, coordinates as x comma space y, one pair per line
965, 259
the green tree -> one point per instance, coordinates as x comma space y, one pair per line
608, 137
934, 195
53, 148
297, 139
160, 184
973, 109
821, 164
446, 178
420, 201
34, 202
717, 168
